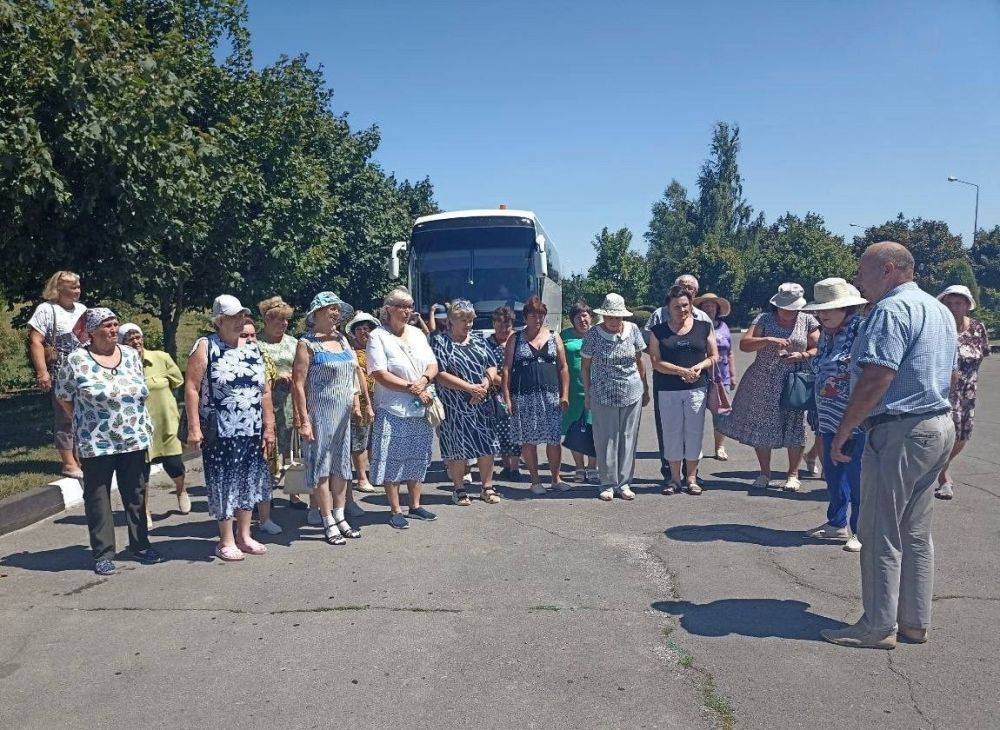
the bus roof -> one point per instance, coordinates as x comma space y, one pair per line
476, 213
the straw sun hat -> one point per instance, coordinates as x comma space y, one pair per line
834, 293
724, 307
613, 306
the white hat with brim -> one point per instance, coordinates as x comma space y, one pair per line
226, 305
613, 306
834, 293
361, 317
962, 291
790, 296
723, 304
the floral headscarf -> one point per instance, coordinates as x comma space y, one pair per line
93, 318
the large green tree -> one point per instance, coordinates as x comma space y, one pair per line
669, 239
130, 153
985, 259
617, 267
933, 246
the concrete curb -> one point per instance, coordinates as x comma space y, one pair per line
34, 505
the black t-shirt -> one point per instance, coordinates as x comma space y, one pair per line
683, 351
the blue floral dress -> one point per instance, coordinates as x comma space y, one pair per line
236, 475
534, 386
507, 444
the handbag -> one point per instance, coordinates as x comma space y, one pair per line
294, 481
799, 393
209, 421
718, 398
580, 437
433, 411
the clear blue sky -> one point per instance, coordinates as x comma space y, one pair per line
583, 111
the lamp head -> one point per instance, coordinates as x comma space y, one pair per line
952, 178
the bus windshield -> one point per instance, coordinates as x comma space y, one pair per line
488, 266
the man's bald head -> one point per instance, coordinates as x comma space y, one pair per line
884, 266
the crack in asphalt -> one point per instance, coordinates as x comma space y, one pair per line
909, 687
958, 597
803, 583
525, 523
534, 608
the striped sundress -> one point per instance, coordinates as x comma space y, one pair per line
330, 386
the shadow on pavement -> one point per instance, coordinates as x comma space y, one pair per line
752, 534
755, 617
78, 557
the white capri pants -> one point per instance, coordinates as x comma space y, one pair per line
682, 421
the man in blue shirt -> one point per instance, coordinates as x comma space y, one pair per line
904, 352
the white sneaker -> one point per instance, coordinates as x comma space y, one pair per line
829, 532
353, 510
721, 454
538, 488
271, 527
853, 544
626, 493
792, 484
314, 518
467, 479
607, 495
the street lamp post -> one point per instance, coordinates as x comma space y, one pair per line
975, 223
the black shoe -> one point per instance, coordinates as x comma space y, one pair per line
298, 504
147, 556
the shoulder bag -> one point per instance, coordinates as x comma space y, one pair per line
433, 411
798, 393
209, 421
580, 437
718, 398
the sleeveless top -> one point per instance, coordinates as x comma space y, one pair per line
683, 351
534, 370
332, 376
237, 386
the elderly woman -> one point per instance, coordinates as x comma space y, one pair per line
615, 387
718, 308
581, 317
231, 419
403, 367
837, 305
784, 340
536, 391
249, 335
52, 336
973, 348
275, 342
466, 370
509, 449
324, 385
683, 351
103, 390
162, 378
359, 329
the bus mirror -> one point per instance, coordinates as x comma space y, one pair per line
541, 257
397, 248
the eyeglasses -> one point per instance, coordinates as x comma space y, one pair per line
404, 307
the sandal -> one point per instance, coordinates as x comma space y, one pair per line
694, 488
461, 498
333, 536
671, 488
252, 547
229, 553
490, 496
347, 531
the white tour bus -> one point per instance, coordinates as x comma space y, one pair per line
490, 257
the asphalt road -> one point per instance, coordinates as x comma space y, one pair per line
551, 612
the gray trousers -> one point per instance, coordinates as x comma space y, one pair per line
616, 431
898, 472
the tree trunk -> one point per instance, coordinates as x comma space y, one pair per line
171, 309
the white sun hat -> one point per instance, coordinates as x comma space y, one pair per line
790, 296
834, 293
962, 290
613, 306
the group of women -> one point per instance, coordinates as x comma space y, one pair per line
357, 400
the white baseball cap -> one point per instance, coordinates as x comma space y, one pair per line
226, 305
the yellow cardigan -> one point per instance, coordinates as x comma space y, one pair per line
162, 376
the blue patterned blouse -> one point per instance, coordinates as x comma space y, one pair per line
109, 404
237, 387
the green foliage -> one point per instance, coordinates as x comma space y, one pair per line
985, 259
164, 177
795, 249
618, 267
669, 236
933, 246
959, 271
